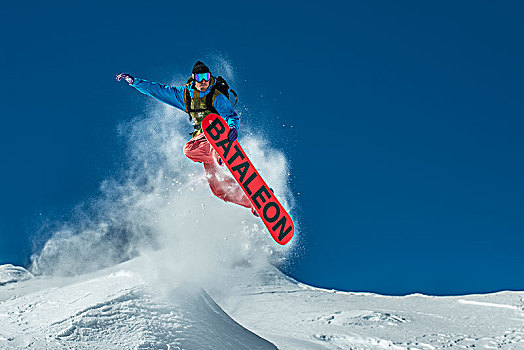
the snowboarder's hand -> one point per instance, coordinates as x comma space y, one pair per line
127, 77
233, 134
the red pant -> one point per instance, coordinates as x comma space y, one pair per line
198, 149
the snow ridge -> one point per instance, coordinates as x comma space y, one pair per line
11, 274
117, 310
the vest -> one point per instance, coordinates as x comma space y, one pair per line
199, 107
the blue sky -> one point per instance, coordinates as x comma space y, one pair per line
407, 117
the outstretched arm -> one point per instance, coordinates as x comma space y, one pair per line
173, 96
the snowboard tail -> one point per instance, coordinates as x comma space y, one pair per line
265, 203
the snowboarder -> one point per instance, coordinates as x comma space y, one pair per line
200, 97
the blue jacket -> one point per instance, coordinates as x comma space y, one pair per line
174, 96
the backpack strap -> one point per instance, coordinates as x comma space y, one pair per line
236, 96
187, 99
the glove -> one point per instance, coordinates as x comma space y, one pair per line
127, 77
233, 134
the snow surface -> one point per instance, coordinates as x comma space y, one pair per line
117, 308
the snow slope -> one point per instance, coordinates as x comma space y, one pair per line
290, 313
114, 309
117, 308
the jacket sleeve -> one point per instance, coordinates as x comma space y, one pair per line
226, 111
173, 96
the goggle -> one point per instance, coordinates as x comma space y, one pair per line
202, 76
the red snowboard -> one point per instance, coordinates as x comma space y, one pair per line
267, 206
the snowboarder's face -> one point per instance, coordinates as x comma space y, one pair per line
202, 85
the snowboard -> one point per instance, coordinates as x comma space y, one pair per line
265, 203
